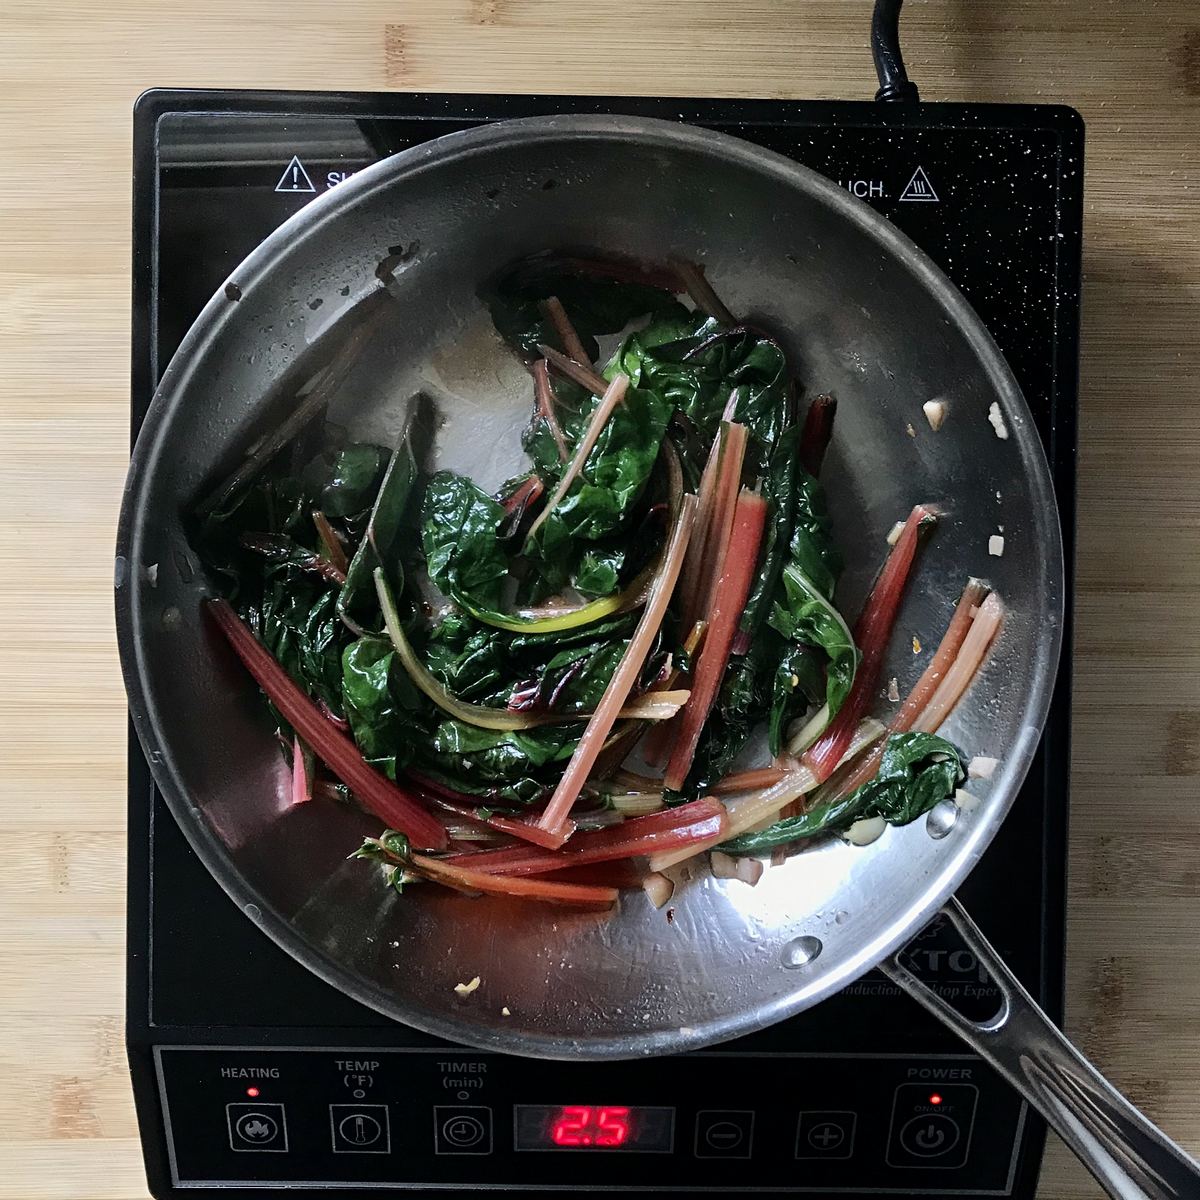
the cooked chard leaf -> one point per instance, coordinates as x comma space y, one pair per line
264, 548
758, 370
381, 705
273, 507
696, 363
508, 796
599, 570
468, 659
297, 621
596, 307
514, 768
496, 751
811, 547
821, 818
463, 554
397, 730
554, 672
542, 645
917, 771
357, 603
571, 402
574, 679
781, 487
739, 708
354, 482
806, 617
653, 358
602, 499
798, 683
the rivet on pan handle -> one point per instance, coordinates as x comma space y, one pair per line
1130, 1157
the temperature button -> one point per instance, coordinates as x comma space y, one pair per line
464, 1130
360, 1128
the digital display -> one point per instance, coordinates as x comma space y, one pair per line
583, 1125
620, 1127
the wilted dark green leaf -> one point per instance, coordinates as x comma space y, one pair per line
917, 771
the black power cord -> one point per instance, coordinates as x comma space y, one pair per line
894, 83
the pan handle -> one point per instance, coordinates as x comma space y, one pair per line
1130, 1157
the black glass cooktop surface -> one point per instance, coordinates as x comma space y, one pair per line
252, 1074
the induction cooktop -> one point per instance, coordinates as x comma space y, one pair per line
252, 1075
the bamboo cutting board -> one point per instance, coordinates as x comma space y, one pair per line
70, 71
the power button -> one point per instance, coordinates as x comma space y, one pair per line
930, 1136
931, 1125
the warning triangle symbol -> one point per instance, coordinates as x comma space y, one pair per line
919, 188
294, 178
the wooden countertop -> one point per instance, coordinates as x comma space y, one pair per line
71, 70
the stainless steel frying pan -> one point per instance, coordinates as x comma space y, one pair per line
404, 245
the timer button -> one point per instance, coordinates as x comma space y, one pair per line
462, 1130
724, 1133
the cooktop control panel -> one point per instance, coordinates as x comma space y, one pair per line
429, 1118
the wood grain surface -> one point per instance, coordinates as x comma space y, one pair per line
70, 70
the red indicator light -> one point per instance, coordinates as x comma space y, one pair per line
583, 1125
252, 1092
935, 1098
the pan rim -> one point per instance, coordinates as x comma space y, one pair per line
286, 239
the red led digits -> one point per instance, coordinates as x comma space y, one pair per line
569, 1125
612, 1126
596, 1127
583, 1125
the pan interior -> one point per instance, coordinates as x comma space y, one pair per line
863, 315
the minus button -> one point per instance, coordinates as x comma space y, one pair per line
724, 1133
